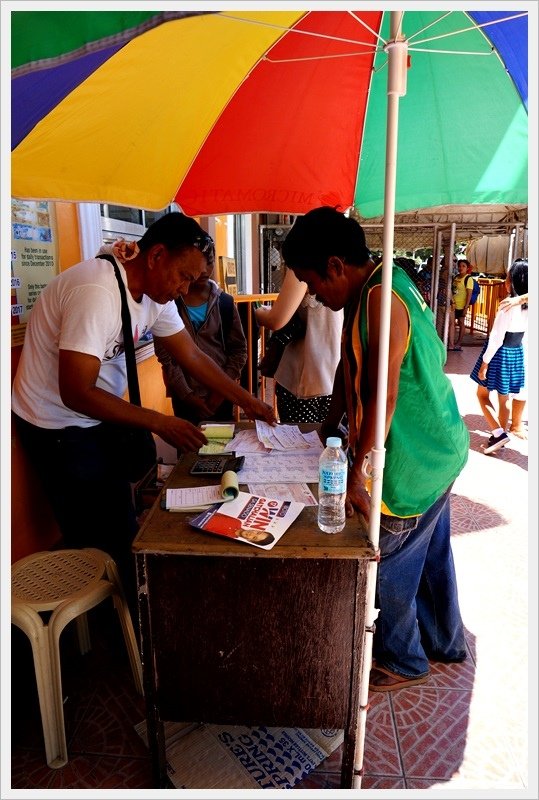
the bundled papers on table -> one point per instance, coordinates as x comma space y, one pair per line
198, 497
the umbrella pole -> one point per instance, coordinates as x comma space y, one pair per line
397, 50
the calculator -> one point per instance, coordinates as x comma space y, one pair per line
216, 465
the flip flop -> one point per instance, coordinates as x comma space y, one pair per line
383, 680
455, 349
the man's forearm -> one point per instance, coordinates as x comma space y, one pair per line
101, 405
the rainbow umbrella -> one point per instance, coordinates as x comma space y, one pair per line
269, 111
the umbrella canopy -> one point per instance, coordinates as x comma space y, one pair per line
266, 111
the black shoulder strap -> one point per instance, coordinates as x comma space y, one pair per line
129, 347
226, 308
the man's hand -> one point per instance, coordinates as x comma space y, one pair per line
256, 409
329, 429
357, 497
181, 434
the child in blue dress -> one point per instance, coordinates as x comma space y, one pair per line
500, 367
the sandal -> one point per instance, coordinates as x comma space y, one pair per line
455, 349
383, 680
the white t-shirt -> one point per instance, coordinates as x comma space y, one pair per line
80, 310
515, 320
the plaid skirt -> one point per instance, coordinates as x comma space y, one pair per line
505, 373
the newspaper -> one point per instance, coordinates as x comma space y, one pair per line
237, 757
259, 521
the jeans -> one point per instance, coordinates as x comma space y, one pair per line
416, 593
91, 503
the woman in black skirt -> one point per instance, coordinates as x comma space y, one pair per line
500, 367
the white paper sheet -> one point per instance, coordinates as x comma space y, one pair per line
281, 468
280, 437
285, 491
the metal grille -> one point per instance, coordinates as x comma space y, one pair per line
272, 265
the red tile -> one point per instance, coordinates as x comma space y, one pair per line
29, 769
381, 755
453, 676
372, 782
320, 780
431, 727
103, 772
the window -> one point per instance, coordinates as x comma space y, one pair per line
130, 223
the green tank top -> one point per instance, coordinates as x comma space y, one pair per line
427, 444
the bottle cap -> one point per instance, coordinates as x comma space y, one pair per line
333, 441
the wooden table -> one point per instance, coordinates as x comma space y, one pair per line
233, 634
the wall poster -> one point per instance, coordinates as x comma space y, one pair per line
227, 275
34, 258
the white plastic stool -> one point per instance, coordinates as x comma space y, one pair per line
69, 583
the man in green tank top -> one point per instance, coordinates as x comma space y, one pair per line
426, 443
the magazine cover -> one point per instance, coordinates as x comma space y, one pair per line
260, 521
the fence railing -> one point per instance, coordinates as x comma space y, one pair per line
256, 342
480, 316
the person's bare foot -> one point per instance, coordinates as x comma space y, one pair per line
519, 432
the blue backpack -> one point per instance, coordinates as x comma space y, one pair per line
475, 291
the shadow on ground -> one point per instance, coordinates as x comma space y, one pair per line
470, 516
479, 436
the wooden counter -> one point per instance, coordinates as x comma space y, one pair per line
233, 634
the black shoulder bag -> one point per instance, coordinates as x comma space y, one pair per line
133, 449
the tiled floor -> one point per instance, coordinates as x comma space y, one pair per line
466, 729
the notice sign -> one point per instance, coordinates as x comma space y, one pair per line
34, 258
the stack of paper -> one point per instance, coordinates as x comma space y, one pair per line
200, 497
218, 436
285, 438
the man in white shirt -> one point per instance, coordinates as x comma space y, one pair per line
72, 377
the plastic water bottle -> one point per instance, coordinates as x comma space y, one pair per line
332, 487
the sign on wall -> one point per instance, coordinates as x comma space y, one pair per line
227, 275
34, 258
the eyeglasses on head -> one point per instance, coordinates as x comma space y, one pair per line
204, 243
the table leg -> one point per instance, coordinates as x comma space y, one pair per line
347, 766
